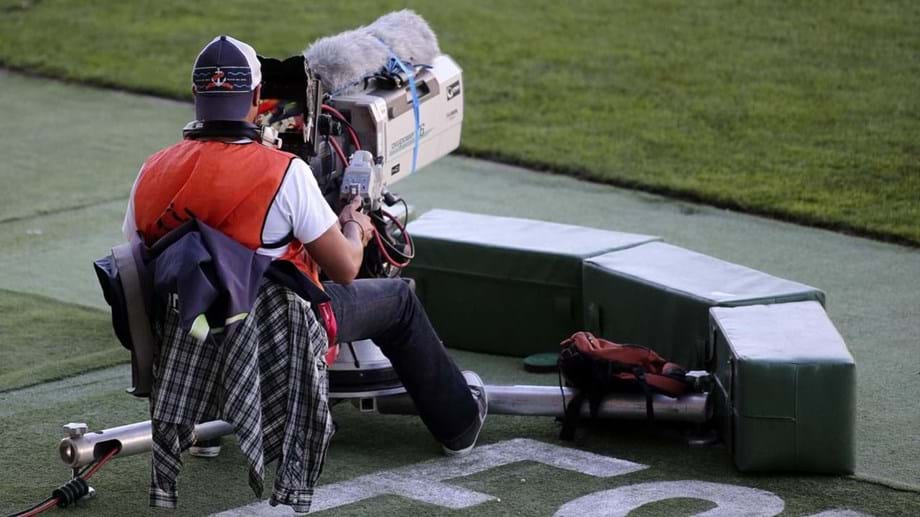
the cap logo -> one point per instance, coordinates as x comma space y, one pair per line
216, 79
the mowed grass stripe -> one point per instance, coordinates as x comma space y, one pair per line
803, 110
68, 147
44, 340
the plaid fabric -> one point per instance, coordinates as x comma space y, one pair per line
267, 377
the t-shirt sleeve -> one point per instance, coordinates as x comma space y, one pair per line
298, 208
129, 226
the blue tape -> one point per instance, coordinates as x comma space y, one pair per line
394, 63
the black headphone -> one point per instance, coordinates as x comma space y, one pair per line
199, 129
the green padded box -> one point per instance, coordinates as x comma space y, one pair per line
786, 390
658, 295
503, 285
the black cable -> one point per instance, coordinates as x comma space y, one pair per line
347, 124
406, 210
32, 508
53, 496
86, 468
396, 251
406, 240
73, 490
386, 240
341, 118
561, 390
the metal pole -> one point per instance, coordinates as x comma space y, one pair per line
80, 447
548, 401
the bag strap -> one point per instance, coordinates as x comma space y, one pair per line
144, 344
643, 383
572, 414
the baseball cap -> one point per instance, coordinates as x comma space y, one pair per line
226, 72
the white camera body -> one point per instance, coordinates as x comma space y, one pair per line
385, 122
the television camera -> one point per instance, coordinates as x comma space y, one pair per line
374, 130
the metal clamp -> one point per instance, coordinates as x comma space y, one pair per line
75, 429
700, 380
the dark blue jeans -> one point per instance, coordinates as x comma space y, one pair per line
388, 312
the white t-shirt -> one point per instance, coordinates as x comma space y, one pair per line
298, 208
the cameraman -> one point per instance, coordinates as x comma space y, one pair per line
269, 201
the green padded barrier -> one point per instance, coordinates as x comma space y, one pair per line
659, 295
502, 285
786, 391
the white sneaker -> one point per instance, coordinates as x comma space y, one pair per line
464, 444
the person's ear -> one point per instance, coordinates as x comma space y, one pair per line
257, 95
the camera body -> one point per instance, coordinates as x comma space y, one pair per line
384, 120
380, 112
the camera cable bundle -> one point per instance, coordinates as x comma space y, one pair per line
72, 491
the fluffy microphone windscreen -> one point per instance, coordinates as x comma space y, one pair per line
344, 60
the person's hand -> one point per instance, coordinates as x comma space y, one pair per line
351, 215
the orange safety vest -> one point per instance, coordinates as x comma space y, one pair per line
230, 187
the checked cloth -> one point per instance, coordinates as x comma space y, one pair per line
266, 377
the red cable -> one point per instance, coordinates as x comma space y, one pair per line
54, 502
399, 225
351, 132
105, 459
387, 255
338, 151
383, 248
43, 508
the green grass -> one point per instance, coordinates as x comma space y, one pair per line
365, 444
872, 288
800, 110
44, 340
71, 148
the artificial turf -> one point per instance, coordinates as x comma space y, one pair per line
365, 444
45, 339
67, 147
800, 110
72, 218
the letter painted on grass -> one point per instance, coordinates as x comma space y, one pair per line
425, 481
731, 499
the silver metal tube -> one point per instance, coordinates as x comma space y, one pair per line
82, 447
547, 401
79, 450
